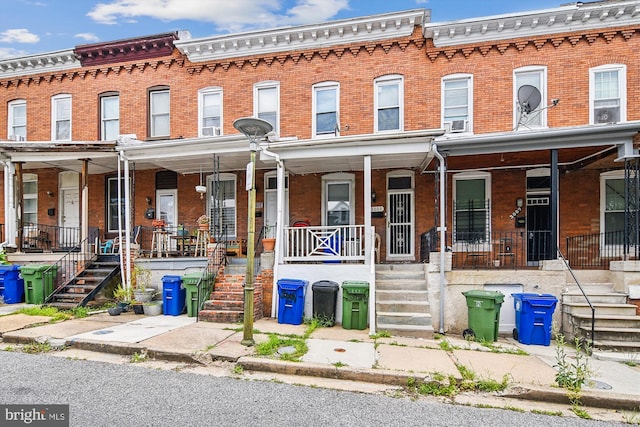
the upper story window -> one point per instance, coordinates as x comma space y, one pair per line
210, 112
159, 112
17, 120
266, 103
608, 94
457, 103
109, 116
530, 88
326, 109
388, 98
61, 118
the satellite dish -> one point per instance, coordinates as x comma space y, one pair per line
528, 98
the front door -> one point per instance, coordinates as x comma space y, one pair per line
400, 221
167, 207
70, 214
538, 216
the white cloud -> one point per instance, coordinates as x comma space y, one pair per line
234, 15
89, 37
18, 35
9, 52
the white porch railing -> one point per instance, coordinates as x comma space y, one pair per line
324, 244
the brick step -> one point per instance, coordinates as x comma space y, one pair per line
224, 305
227, 295
221, 316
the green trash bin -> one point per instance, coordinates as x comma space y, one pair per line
190, 283
484, 314
355, 304
39, 280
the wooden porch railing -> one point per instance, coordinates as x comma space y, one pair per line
324, 244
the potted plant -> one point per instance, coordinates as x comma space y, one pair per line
123, 299
152, 308
141, 280
203, 222
269, 240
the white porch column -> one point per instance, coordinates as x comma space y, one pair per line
367, 209
9, 206
84, 209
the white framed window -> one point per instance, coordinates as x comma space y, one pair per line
30, 198
471, 207
389, 103
326, 109
210, 111
612, 207
159, 112
17, 120
608, 94
457, 103
338, 197
222, 205
266, 103
61, 118
109, 116
525, 114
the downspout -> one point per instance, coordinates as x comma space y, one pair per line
442, 230
279, 211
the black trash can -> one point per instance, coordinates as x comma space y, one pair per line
325, 297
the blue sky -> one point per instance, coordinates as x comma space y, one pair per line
30, 27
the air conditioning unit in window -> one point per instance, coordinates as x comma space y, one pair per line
456, 126
606, 115
211, 131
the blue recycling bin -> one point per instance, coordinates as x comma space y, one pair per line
534, 315
11, 284
332, 247
291, 294
173, 296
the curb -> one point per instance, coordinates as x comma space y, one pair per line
588, 398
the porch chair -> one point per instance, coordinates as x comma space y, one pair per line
376, 247
116, 243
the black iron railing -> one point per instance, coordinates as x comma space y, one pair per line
596, 251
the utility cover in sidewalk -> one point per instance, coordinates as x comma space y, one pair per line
353, 354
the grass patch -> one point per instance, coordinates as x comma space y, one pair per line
546, 412
445, 345
54, 313
381, 334
276, 342
138, 357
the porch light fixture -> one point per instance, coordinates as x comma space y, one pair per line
254, 129
373, 196
201, 189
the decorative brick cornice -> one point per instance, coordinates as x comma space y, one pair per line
134, 49
607, 36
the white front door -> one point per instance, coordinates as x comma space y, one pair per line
70, 214
167, 206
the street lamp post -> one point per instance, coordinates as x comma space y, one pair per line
254, 129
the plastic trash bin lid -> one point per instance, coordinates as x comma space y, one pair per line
325, 284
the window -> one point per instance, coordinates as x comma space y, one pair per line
223, 206
159, 112
471, 207
530, 116
266, 103
61, 118
30, 198
210, 112
389, 94
112, 206
608, 94
338, 207
17, 126
325, 109
457, 90
109, 116
613, 203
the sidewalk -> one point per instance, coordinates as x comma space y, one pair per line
333, 353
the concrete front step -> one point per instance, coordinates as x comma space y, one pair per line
400, 267
403, 319
631, 347
614, 309
620, 336
403, 306
606, 321
596, 297
401, 285
590, 287
409, 331
385, 296
399, 275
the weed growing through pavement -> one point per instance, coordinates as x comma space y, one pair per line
572, 375
339, 364
35, 348
632, 417
381, 334
631, 359
138, 357
238, 369
437, 384
546, 412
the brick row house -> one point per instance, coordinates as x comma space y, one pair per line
423, 158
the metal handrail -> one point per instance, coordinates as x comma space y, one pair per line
593, 309
208, 275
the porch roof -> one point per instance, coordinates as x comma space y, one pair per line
615, 134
